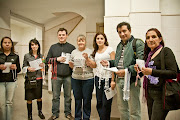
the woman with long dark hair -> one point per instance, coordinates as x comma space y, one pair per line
8, 59
155, 77
33, 93
103, 79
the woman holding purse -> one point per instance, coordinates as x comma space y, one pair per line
155, 77
31, 92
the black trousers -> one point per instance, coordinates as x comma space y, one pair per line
103, 105
155, 105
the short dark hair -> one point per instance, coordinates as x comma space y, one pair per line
63, 29
35, 41
12, 48
123, 23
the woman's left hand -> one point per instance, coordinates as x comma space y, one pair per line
146, 71
136, 67
71, 64
85, 55
13, 67
41, 64
120, 73
113, 85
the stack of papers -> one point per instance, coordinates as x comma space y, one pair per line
7, 64
110, 93
141, 63
112, 69
67, 56
35, 64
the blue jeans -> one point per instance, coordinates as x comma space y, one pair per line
129, 109
7, 90
56, 90
82, 90
103, 105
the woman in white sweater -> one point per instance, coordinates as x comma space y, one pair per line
82, 79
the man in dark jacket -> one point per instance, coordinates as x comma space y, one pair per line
61, 74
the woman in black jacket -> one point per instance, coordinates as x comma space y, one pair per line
33, 93
155, 76
9, 67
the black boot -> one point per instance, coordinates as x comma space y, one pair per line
40, 114
29, 108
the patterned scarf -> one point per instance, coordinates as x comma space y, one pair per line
145, 82
52, 61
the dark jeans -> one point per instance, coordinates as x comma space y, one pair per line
155, 105
103, 105
82, 90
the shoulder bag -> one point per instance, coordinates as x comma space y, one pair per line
171, 89
30, 80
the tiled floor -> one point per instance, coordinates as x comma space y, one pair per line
20, 112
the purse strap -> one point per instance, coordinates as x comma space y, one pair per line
162, 59
163, 63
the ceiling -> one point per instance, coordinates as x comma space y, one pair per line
20, 24
43, 11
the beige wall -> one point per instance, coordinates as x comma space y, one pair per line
4, 22
22, 35
74, 23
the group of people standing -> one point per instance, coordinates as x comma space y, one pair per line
85, 68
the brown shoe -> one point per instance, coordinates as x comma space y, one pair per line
52, 118
70, 117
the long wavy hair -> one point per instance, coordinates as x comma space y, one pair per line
12, 48
146, 48
95, 46
35, 41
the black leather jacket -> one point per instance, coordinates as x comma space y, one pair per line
11, 76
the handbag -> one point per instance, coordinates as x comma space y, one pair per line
171, 89
30, 80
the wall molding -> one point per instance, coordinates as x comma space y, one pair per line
90, 32
142, 12
5, 29
131, 13
170, 15
115, 16
76, 25
22, 18
64, 23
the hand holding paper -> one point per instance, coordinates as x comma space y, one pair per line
66, 56
35, 64
141, 63
7, 64
104, 63
110, 93
13, 66
85, 55
2, 67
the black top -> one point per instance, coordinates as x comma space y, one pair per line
55, 51
14, 59
170, 71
